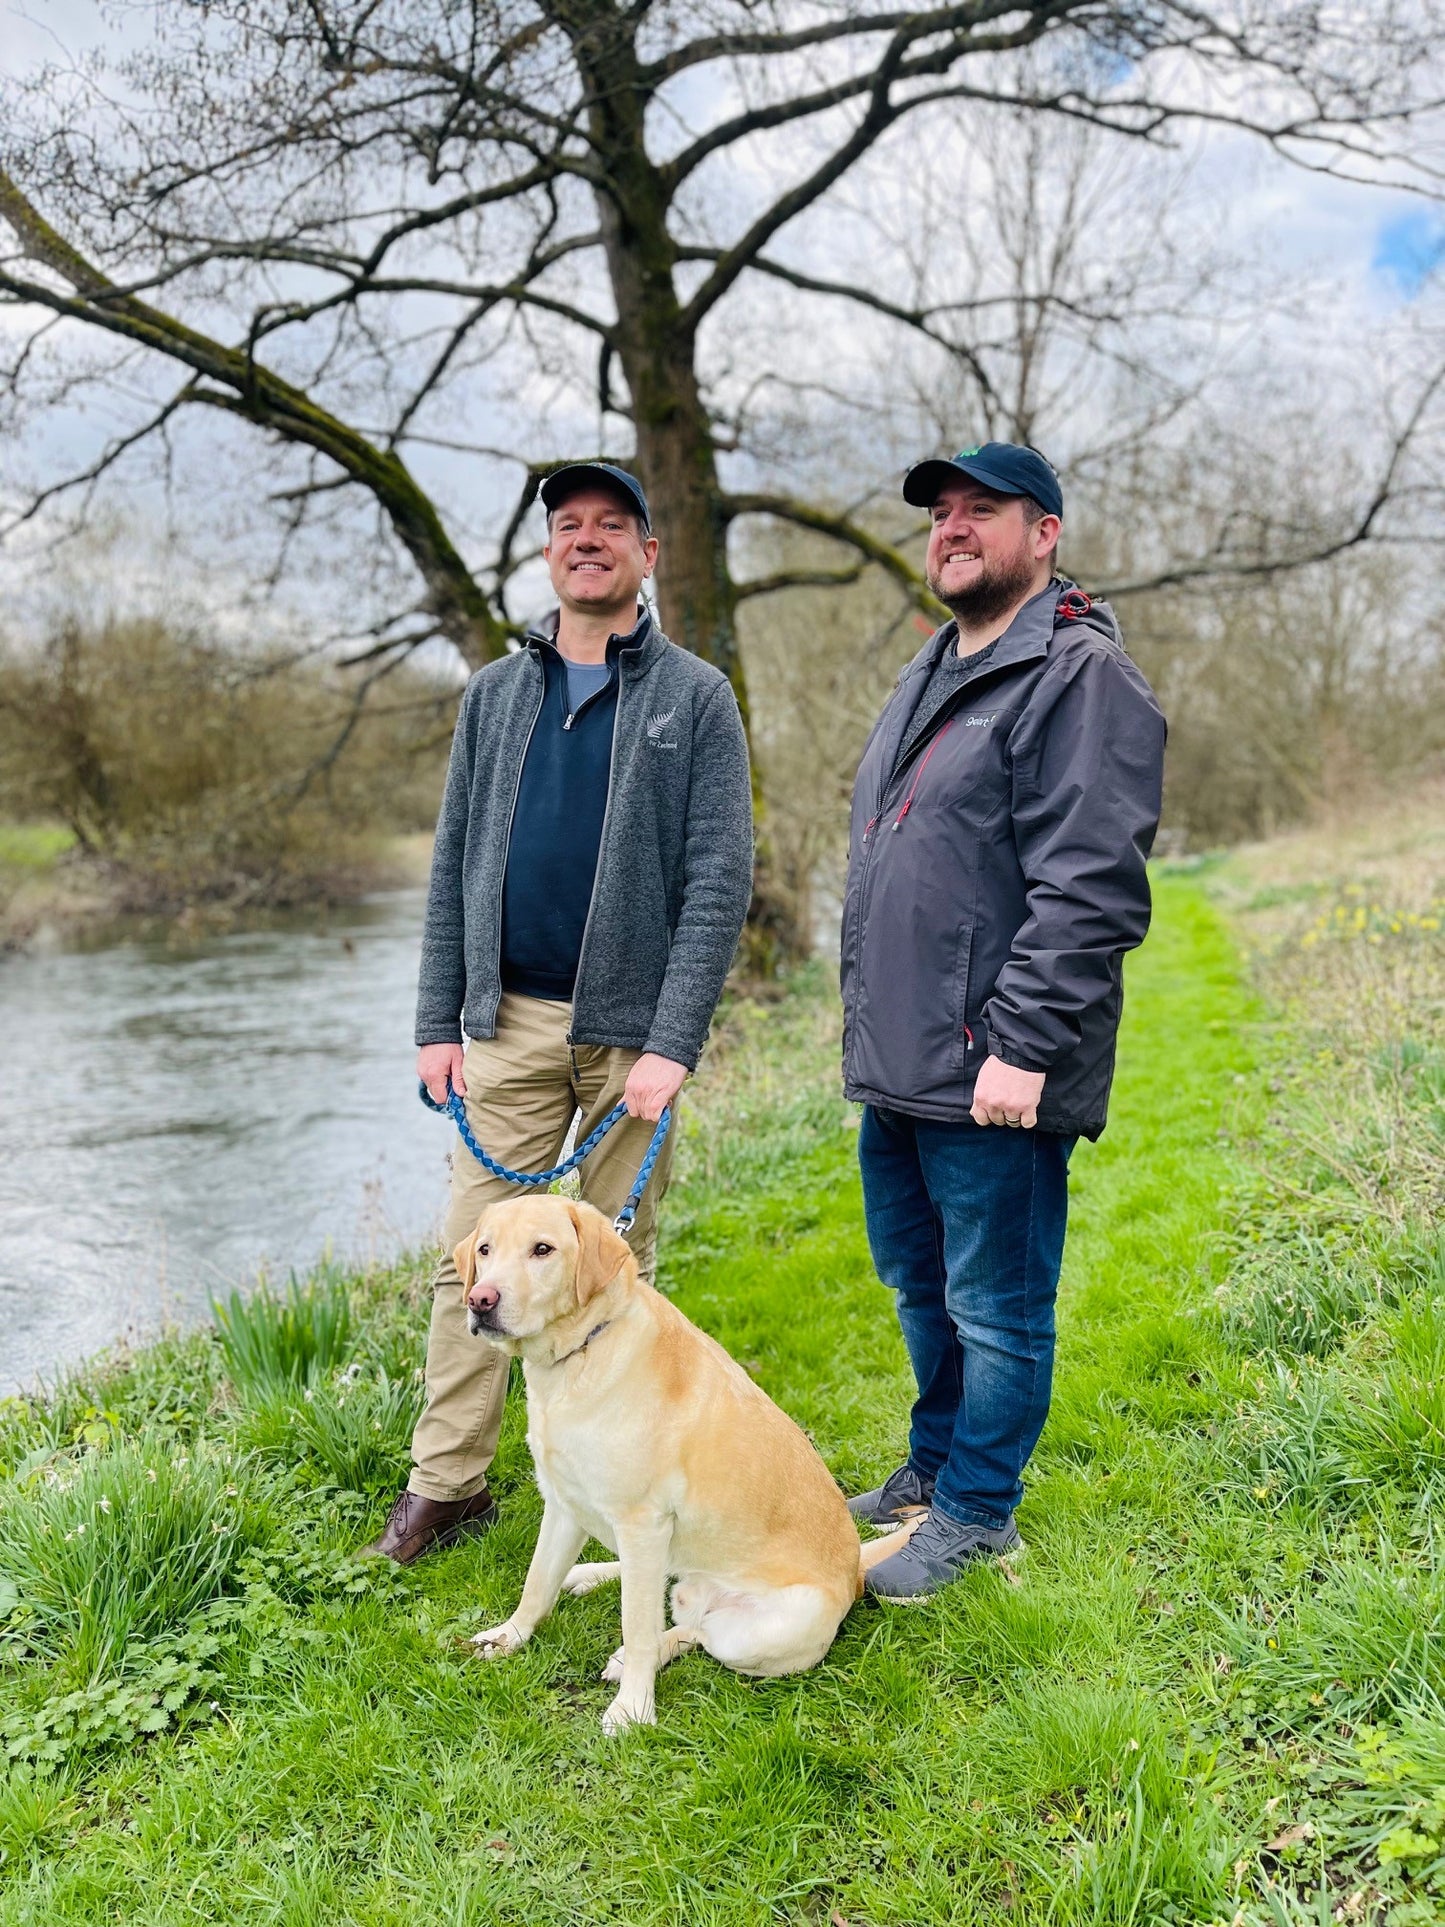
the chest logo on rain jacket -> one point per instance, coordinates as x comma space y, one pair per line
979, 722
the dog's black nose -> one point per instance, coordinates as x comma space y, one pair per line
483, 1298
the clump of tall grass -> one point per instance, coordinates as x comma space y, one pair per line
121, 1547
271, 1342
1297, 1291
356, 1431
1366, 1428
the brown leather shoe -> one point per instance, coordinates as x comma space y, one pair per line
416, 1525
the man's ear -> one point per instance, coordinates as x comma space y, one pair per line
601, 1252
465, 1259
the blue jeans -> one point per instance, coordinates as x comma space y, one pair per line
966, 1225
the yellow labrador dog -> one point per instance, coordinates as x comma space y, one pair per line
647, 1436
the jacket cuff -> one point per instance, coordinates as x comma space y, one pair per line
677, 1050
1019, 1060
438, 1034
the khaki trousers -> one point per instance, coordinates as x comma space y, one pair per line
523, 1087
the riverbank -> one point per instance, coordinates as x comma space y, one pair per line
1213, 1696
52, 894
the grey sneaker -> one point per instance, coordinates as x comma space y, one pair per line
937, 1553
899, 1499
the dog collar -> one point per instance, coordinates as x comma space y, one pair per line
595, 1331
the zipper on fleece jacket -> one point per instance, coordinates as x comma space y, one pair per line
601, 841
511, 817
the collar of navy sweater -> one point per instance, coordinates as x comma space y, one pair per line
543, 634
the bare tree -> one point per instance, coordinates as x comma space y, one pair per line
1213, 495
327, 217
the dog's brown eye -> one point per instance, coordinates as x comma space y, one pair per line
543, 1251
483, 1251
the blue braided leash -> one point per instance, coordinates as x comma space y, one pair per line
457, 1112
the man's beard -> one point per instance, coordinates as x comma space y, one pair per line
998, 587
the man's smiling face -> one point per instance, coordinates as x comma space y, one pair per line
597, 553
979, 546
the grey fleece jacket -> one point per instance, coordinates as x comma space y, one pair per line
674, 872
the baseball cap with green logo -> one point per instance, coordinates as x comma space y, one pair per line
1006, 467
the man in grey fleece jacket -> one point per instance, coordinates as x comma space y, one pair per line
592, 869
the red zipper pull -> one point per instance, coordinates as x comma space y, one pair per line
917, 774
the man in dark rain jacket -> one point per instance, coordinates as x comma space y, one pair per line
1002, 814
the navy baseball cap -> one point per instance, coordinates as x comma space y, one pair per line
564, 482
1005, 467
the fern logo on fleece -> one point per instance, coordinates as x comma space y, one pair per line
657, 728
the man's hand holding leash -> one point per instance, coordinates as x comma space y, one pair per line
436, 1064
652, 1084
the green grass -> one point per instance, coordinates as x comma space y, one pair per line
1212, 1696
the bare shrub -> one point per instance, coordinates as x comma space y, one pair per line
203, 772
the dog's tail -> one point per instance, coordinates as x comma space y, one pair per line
872, 1551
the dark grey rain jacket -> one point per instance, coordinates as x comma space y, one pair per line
996, 871
674, 871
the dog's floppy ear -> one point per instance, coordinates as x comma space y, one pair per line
601, 1251
465, 1259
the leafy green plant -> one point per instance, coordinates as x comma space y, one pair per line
113, 1710
272, 1341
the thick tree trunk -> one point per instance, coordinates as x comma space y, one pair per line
675, 458
696, 596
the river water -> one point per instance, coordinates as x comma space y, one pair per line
175, 1115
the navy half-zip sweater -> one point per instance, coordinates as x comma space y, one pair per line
557, 829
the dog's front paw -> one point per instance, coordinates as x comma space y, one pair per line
619, 1716
497, 1641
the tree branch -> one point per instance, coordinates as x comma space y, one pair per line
245, 387
841, 528
937, 60
734, 46
801, 579
1363, 528
881, 113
